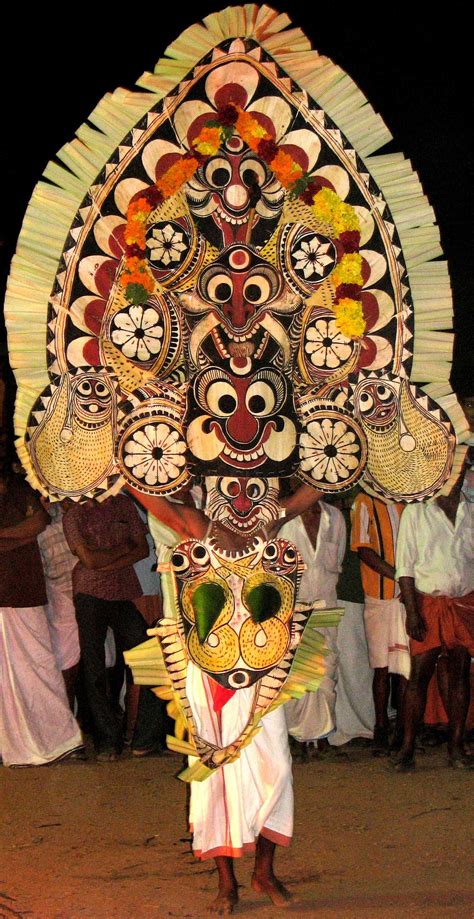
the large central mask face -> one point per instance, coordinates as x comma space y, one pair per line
242, 314
235, 197
240, 424
237, 615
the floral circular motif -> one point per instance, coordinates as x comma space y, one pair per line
333, 450
312, 257
154, 454
326, 346
167, 245
138, 332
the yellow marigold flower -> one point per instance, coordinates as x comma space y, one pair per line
349, 317
325, 204
285, 168
348, 270
174, 177
345, 218
208, 141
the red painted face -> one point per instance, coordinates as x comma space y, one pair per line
241, 423
239, 285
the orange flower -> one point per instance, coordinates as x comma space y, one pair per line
134, 263
285, 169
135, 233
250, 130
174, 177
208, 141
139, 209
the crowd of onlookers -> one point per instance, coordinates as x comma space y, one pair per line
79, 586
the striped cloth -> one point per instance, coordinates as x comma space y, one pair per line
375, 526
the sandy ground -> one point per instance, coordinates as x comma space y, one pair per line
110, 840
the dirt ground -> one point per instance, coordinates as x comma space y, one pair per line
90, 840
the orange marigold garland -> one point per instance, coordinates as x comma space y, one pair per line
325, 203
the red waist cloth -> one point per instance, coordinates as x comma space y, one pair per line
449, 622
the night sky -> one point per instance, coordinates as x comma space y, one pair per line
416, 75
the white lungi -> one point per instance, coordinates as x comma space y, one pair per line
251, 796
386, 635
314, 715
63, 630
355, 714
36, 723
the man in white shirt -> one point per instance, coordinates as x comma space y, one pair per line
320, 536
436, 575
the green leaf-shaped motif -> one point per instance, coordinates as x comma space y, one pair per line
264, 602
208, 601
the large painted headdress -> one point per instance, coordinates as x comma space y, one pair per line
223, 281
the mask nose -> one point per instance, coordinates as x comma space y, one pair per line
236, 197
242, 504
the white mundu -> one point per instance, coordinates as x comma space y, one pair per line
251, 796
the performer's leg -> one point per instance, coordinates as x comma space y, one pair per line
414, 702
264, 879
459, 664
400, 686
228, 894
381, 690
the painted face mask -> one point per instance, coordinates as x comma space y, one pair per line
242, 315
235, 197
237, 616
245, 504
241, 424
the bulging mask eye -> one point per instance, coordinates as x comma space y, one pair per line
229, 487
216, 286
217, 172
260, 399
256, 489
270, 552
221, 399
384, 393
180, 562
199, 555
84, 388
289, 556
252, 172
366, 402
261, 286
102, 392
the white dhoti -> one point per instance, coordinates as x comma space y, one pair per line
36, 723
62, 624
251, 796
314, 715
386, 635
355, 714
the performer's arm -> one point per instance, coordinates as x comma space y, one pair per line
300, 501
415, 626
188, 522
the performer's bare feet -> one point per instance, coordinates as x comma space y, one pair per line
273, 888
228, 895
263, 878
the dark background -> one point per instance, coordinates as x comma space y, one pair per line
417, 74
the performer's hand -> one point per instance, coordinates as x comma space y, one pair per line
415, 625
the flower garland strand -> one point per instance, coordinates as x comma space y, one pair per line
327, 206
